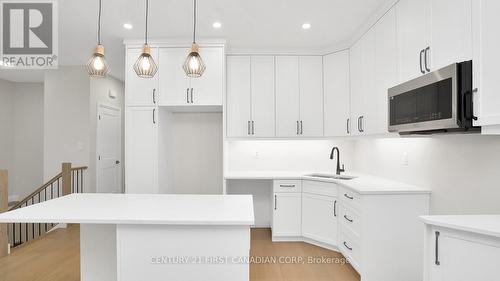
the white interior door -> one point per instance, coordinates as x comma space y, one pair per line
109, 150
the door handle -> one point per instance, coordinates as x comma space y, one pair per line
426, 59
191, 95
154, 120
421, 56
436, 261
187, 95
348, 197
359, 122
335, 208
154, 96
275, 202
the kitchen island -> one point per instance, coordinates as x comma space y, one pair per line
129, 237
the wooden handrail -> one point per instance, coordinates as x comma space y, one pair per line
79, 168
38, 190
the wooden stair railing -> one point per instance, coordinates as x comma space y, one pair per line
69, 180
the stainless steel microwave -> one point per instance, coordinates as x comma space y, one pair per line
440, 101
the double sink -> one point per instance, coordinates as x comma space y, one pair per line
331, 176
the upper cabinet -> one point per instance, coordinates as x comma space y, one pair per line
336, 109
178, 89
250, 99
140, 91
299, 96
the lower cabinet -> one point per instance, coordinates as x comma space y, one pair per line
456, 255
319, 218
287, 209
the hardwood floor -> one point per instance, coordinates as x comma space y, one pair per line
56, 257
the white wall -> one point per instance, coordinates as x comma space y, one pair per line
6, 125
463, 171
287, 155
66, 118
99, 93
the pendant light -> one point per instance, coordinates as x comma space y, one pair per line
194, 65
97, 65
145, 66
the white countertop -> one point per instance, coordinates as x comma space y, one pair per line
362, 184
139, 209
481, 224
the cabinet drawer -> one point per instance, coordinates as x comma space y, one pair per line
350, 219
349, 198
350, 246
320, 188
287, 186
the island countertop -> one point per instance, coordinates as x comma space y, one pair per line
153, 209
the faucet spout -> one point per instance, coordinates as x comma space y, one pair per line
332, 154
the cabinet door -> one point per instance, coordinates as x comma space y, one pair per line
464, 258
486, 61
238, 96
141, 150
451, 32
413, 36
263, 98
287, 96
336, 94
356, 79
386, 69
311, 95
174, 84
140, 91
208, 89
319, 221
286, 214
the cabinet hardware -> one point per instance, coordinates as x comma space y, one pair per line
191, 95
426, 59
287, 185
117, 162
348, 219
154, 110
335, 208
347, 127
345, 245
437, 249
187, 95
253, 127
154, 96
361, 125
474, 91
301, 128
248, 128
275, 202
298, 127
347, 196
359, 122
420, 60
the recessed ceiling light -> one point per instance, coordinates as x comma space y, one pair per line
127, 26
306, 25
217, 24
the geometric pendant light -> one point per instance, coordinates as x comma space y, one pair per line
194, 65
97, 65
145, 66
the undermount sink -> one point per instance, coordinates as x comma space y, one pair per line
331, 176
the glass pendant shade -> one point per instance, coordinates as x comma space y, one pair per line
145, 66
97, 65
194, 65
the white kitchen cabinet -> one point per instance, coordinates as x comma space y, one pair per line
250, 96
299, 96
413, 24
336, 108
140, 91
287, 96
386, 69
141, 150
486, 46
178, 89
319, 218
454, 253
451, 32
311, 95
286, 215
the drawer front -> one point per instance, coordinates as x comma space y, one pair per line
350, 248
350, 198
320, 188
287, 186
350, 219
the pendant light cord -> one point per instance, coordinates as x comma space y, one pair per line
99, 25
194, 22
147, 13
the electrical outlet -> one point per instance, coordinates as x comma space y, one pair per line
404, 159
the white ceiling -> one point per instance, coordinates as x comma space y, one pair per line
258, 25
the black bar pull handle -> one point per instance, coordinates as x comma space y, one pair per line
275, 202
437, 262
335, 208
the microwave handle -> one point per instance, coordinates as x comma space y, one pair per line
467, 105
